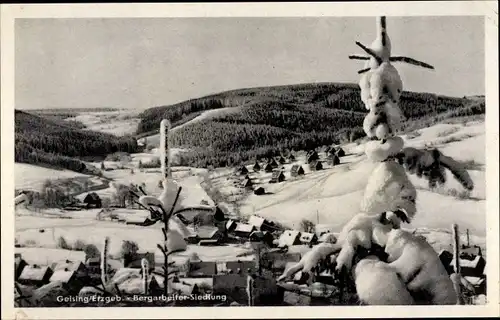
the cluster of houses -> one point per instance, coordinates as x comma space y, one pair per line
275, 167
472, 266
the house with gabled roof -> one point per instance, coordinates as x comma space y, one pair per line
35, 275
243, 170
256, 167
202, 269
297, 170
316, 165
244, 230
277, 177
312, 156
289, 238
308, 238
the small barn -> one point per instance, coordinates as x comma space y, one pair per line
308, 238
209, 233
289, 238
333, 160
339, 152
282, 160
92, 200
262, 236
202, 269
72, 279
243, 170
230, 225
35, 275
244, 230
259, 191
472, 268
277, 177
312, 156
268, 168
240, 267
256, 167
316, 165
19, 265
273, 163
297, 171
291, 158
247, 183
260, 223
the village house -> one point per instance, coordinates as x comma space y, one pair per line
72, 279
234, 286
256, 167
35, 275
260, 223
312, 156
231, 225
247, 184
19, 265
277, 177
281, 160
339, 152
135, 260
273, 163
243, 170
316, 165
244, 230
289, 238
92, 199
177, 286
297, 171
209, 233
240, 267
202, 269
268, 168
308, 238
259, 191
265, 237
291, 158
333, 160
275, 261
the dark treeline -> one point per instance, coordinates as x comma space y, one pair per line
43, 141
267, 121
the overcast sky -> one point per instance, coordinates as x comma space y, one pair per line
141, 63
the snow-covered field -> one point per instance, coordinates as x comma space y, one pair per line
32, 177
330, 197
333, 195
120, 122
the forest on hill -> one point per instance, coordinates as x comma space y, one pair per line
271, 120
58, 144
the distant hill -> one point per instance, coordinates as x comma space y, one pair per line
59, 144
269, 120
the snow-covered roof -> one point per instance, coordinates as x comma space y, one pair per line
288, 238
307, 236
468, 263
256, 221
206, 232
244, 227
67, 264
475, 281
33, 272
63, 275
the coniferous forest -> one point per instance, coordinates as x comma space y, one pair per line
252, 123
262, 122
43, 141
